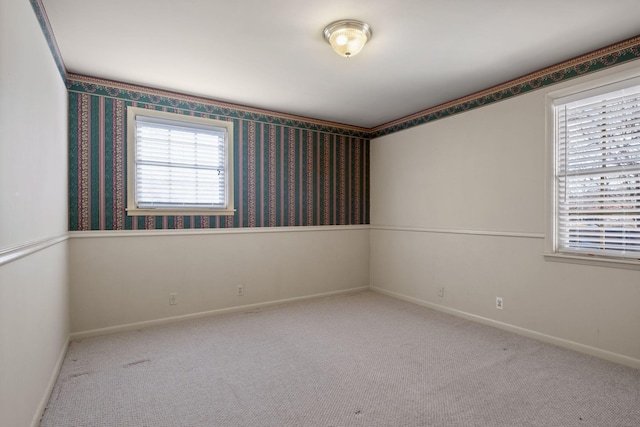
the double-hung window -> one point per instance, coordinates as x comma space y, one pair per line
597, 172
178, 164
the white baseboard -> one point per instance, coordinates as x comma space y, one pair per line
156, 322
35, 421
572, 345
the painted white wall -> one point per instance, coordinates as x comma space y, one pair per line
463, 207
33, 132
34, 323
125, 278
34, 327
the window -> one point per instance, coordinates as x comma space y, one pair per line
597, 172
178, 164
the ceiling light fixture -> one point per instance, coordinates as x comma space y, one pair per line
347, 36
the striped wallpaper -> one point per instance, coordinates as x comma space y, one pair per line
288, 171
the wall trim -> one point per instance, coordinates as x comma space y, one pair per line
207, 231
600, 59
11, 254
176, 100
590, 62
35, 421
166, 320
45, 25
607, 57
460, 231
549, 339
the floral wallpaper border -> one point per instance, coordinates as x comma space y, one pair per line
606, 57
615, 54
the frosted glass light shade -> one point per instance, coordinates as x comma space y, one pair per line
347, 37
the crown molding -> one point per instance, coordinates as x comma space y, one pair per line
152, 96
606, 57
45, 25
597, 60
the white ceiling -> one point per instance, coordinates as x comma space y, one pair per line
271, 53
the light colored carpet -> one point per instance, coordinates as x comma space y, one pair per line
353, 360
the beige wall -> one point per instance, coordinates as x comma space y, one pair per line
127, 279
464, 208
34, 305
33, 206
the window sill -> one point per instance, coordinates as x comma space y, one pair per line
180, 212
593, 261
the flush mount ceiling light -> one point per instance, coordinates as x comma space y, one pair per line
347, 36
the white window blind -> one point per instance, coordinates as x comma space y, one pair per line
598, 174
179, 165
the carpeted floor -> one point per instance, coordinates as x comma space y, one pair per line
353, 360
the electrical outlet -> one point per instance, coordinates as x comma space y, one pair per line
499, 304
172, 299
441, 292
240, 290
